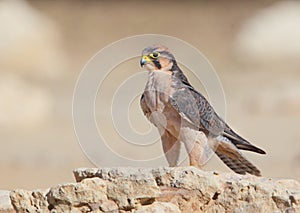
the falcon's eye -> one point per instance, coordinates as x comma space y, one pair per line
154, 54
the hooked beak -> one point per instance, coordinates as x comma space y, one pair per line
144, 60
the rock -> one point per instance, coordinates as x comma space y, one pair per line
5, 204
129, 194
111, 174
91, 193
180, 189
194, 190
88, 195
128, 187
158, 207
29, 201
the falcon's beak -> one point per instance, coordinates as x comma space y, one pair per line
144, 60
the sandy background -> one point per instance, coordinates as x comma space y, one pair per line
253, 45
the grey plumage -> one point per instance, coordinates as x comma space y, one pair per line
192, 108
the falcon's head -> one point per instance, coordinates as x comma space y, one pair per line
157, 58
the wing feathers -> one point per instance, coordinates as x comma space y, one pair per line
240, 142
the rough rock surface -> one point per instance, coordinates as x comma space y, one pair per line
181, 189
5, 204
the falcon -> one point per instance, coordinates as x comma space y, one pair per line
182, 115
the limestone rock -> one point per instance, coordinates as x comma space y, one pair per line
181, 189
88, 195
5, 204
158, 207
198, 191
29, 201
129, 187
130, 194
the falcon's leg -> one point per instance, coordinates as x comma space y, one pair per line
171, 147
196, 145
195, 154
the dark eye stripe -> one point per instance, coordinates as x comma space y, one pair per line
157, 64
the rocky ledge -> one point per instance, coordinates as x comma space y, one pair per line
181, 189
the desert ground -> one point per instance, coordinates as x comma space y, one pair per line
44, 46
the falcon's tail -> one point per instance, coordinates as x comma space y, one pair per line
234, 159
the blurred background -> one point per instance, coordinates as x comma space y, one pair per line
253, 45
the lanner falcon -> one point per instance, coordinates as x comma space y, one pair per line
182, 114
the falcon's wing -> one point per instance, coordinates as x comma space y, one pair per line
194, 108
240, 142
